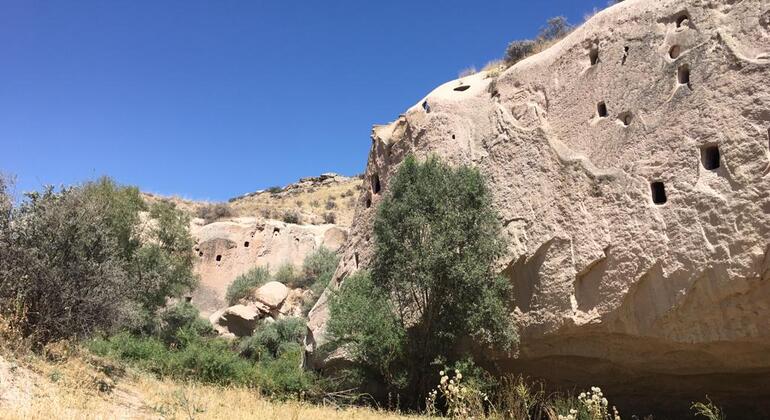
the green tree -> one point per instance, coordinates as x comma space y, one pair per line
437, 239
78, 260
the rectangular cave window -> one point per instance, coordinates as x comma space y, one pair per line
593, 55
219, 258
683, 75
601, 109
709, 156
246, 244
375, 183
658, 192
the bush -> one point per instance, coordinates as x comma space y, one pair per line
287, 275
433, 279
284, 376
213, 212
245, 284
292, 216
330, 204
269, 340
556, 28
207, 360
179, 317
330, 217
61, 268
318, 269
274, 189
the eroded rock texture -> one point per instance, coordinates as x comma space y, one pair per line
630, 167
230, 248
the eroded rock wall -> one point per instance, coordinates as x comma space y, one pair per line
630, 167
230, 248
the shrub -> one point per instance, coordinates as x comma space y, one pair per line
207, 360
362, 321
555, 29
708, 410
213, 212
61, 267
318, 269
288, 275
330, 217
433, 279
269, 340
181, 316
330, 204
274, 189
292, 216
284, 376
518, 50
245, 284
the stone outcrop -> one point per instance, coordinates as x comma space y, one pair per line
272, 294
230, 248
629, 164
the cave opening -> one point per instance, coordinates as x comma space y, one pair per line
593, 55
601, 109
683, 75
658, 192
709, 156
375, 183
219, 257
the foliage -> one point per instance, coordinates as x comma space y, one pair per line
287, 274
79, 260
274, 189
269, 340
361, 321
207, 360
245, 284
181, 316
555, 29
708, 410
213, 212
292, 216
191, 356
433, 280
330, 217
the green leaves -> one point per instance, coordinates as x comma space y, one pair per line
432, 282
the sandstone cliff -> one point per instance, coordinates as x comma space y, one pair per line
630, 167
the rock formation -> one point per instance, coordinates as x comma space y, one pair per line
230, 248
629, 164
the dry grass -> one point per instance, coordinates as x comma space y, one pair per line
310, 203
75, 386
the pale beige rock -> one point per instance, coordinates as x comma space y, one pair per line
662, 300
230, 248
239, 320
272, 294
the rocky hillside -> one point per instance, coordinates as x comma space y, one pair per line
328, 198
265, 228
629, 164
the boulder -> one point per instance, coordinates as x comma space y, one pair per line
272, 294
239, 320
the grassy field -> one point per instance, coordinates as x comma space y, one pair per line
82, 386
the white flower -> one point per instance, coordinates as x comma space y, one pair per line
604, 401
459, 376
441, 373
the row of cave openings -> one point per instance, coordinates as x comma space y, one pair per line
246, 244
710, 158
682, 72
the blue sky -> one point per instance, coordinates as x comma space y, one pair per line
210, 100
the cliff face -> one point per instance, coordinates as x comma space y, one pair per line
630, 167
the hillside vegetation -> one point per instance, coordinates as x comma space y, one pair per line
323, 199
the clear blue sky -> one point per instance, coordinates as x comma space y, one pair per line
214, 99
